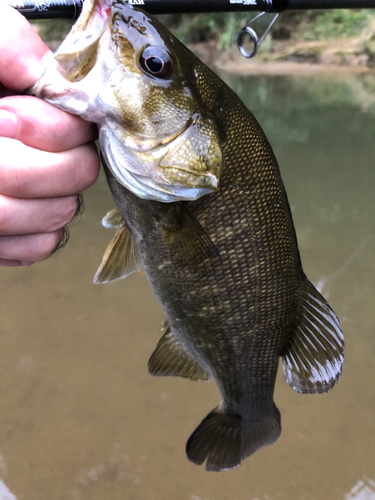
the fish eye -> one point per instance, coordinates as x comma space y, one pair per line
156, 62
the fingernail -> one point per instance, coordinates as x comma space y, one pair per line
26, 264
8, 124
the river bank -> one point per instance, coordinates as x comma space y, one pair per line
355, 81
334, 57
331, 42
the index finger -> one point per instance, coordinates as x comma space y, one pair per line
42, 126
21, 51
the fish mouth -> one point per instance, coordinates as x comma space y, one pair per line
186, 159
77, 53
161, 171
183, 177
149, 145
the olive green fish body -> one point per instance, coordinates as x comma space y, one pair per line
205, 213
232, 305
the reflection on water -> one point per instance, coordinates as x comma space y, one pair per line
363, 490
5, 494
80, 417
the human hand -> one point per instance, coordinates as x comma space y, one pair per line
47, 155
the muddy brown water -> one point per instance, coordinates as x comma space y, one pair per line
81, 419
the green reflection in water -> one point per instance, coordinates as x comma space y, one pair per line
80, 417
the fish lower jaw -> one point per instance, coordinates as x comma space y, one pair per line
186, 178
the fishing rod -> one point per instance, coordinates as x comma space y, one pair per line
70, 9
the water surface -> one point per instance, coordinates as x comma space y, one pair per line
80, 417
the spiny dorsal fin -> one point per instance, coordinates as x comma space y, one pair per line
121, 257
112, 219
314, 359
170, 358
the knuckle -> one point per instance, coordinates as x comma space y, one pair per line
13, 174
64, 211
22, 182
45, 245
5, 216
29, 247
70, 209
20, 178
90, 163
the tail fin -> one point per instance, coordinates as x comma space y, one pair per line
224, 438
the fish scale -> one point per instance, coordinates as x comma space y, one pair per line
202, 208
248, 278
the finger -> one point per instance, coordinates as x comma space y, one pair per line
26, 216
21, 51
42, 126
13, 263
29, 247
4, 91
29, 173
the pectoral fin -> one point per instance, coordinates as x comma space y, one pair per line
121, 257
170, 358
112, 219
314, 359
187, 240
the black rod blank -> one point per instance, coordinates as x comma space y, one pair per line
48, 9
330, 4
70, 9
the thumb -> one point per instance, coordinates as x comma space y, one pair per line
21, 51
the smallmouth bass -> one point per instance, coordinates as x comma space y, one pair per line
202, 208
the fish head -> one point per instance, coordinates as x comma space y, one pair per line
125, 71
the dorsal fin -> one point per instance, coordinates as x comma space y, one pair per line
121, 257
170, 358
313, 361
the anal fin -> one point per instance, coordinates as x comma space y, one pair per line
171, 359
313, 361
